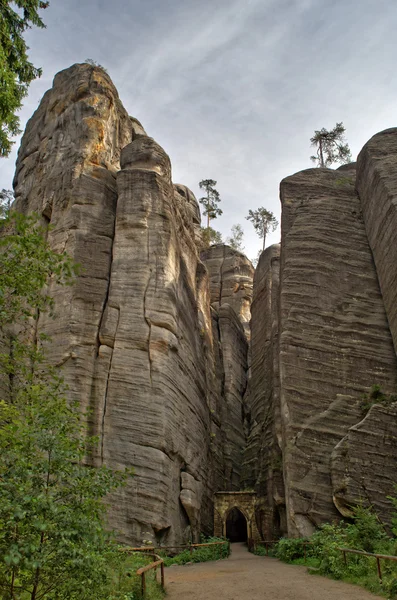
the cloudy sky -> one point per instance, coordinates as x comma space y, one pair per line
232, 89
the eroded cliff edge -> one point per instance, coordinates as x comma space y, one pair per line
328, 326
137, 339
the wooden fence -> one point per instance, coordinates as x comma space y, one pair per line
159, 562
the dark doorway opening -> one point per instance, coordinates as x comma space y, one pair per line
236, 526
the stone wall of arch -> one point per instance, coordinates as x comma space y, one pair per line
246, 502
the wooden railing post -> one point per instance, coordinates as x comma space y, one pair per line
143, 585
379, 571
162, 575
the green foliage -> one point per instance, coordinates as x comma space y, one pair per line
331, 146
93, 63
6, 199
260, 550
26, 265
289, 549
16, 72
365, 533
201, 554
53, 542
123, 583
236, 238
211, 200
263, 221
210, 237
376, 396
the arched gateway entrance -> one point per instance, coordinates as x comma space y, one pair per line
234, 516
236, 526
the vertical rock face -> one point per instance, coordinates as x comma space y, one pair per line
154, 340
231, 283
66, 171
377, 187
334, 337
364, 463
263, 455
231, 275
162, 372
156, 395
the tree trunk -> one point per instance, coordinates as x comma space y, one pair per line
321, 154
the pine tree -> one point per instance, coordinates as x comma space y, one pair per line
236, 238
331, 146
211, 200
263, 221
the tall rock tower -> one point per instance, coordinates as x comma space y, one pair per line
134, 335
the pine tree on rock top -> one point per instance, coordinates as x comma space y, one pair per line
331, 146
236, 238
263, 221
211, 200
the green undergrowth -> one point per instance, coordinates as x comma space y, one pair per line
365, 533
125, 584
202, 554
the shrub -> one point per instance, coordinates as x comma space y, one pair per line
289, 549
200, 554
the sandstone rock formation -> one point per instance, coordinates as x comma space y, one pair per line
318, 344
364, 463
134, 335
263, 454
181, 383
377, 188
335, 341
231, 276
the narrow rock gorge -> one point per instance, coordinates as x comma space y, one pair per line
199, 372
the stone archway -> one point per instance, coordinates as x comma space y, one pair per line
245, 503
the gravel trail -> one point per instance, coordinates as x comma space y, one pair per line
244, 576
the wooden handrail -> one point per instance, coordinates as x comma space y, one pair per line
378, 557
152, 565
159, 562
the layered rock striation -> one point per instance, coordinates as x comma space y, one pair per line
134, 335
317, 347
181, 378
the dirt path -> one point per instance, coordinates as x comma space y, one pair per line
244, 576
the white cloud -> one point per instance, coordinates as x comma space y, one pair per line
232, 89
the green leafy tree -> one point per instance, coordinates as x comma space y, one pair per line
16, 71
53, 543
236, 238
331, 146
210, 236
263, 221
6, 199
211, 200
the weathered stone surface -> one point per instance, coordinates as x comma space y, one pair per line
134, 333
231, 275
364, 463
233, 348
66, 171
377, 188
334, 337
156, 399
263, 455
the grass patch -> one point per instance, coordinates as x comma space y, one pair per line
124, 584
